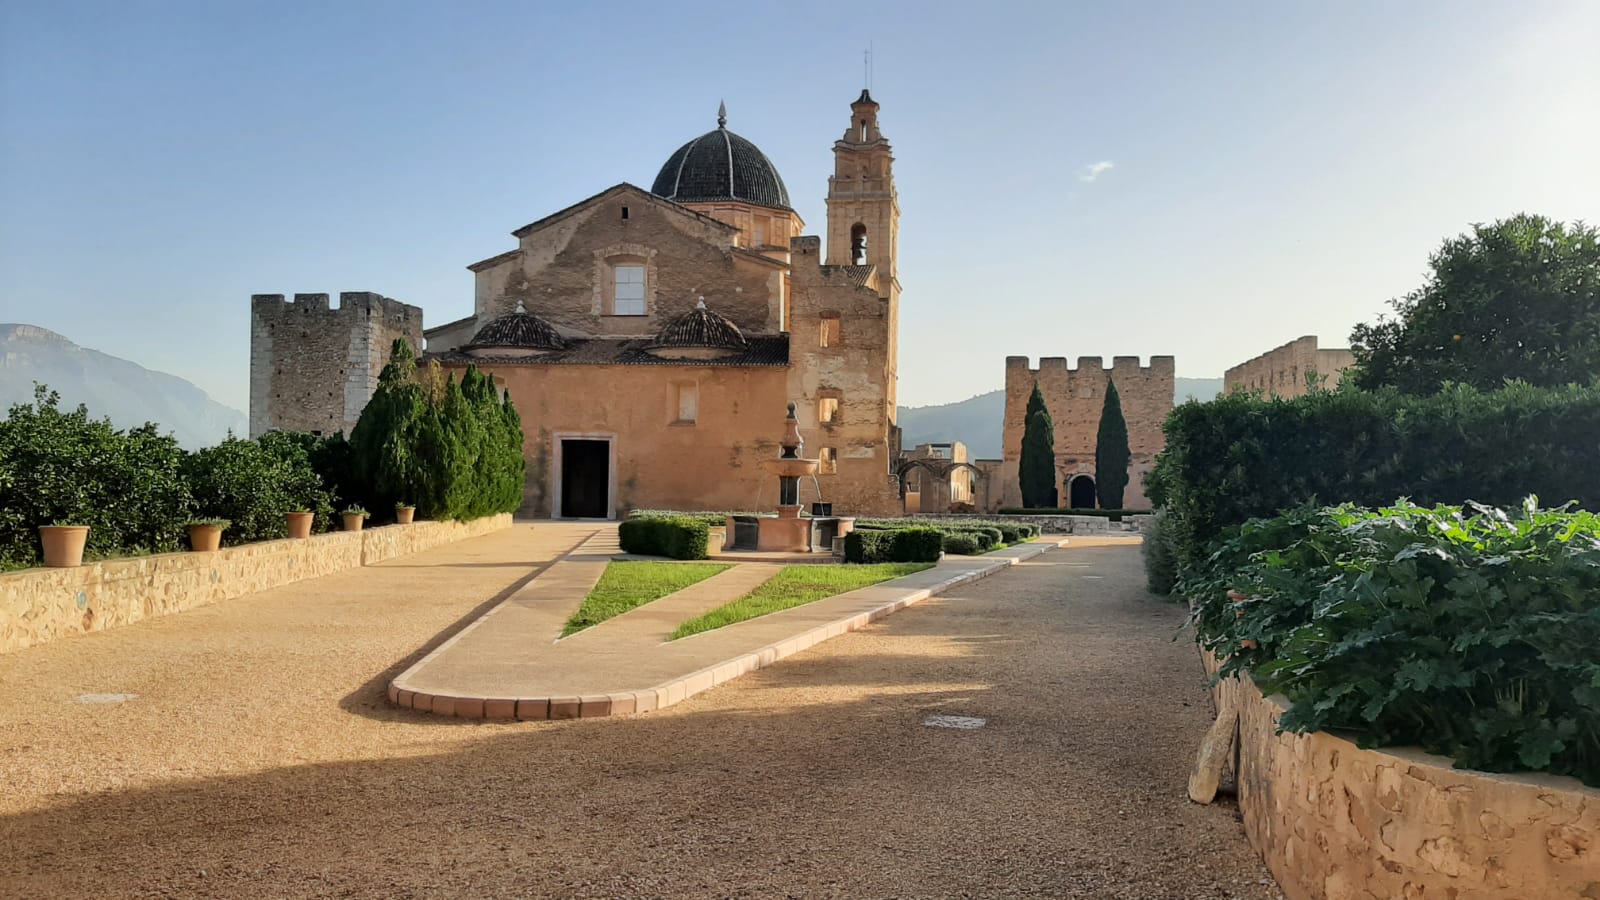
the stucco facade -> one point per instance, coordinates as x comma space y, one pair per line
1075, 398
1282, 371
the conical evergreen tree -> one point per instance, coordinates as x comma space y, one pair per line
384, 443
1036, 470
1111, 454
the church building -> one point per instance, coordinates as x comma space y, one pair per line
651, 340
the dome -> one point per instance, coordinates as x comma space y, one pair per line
518, 333
720, 165
698, 334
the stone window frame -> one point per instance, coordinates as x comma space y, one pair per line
823, 319
605, 261
837, 396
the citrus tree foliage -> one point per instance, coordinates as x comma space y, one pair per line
1518, 299
1036, 469
254, 484
452, 448
1466, 630
1111, 454
63, 467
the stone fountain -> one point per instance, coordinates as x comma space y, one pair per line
788, 531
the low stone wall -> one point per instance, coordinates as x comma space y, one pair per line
1057, 524
39, 605
1334, 821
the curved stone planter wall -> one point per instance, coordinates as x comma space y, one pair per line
1335, 821
39, 605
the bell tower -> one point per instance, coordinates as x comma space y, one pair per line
863, 209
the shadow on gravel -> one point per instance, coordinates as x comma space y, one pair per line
371, 698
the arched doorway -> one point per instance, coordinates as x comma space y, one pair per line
1080, 493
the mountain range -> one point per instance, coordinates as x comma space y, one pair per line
131, 395
125, 392
977, 421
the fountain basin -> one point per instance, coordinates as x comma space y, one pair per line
791, 468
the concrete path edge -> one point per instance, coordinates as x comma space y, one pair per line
678, 689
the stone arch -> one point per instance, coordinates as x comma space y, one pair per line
858, 244
941, 470
1080, 492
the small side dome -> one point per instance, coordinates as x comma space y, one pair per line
698, 334
519, 333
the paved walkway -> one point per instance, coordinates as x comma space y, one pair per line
260, 757
513, 662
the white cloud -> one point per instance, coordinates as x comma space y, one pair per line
1095, 170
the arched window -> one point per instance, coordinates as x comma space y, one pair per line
858, 244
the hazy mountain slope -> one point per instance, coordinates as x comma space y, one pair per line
127, 393
977, 421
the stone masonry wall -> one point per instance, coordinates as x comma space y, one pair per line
1282, 371
313, 368
1075, 397
560, 269
39, 605
855, 369
1336, 822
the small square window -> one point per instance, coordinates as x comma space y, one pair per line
828, 410
829, 464
688, 403
831, 332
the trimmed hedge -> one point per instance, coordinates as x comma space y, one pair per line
963, 544
1114, 515
912, 544
711, 518
1470, 631
1242, 457
675, 537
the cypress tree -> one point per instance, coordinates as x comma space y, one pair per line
1111, 454
384, 445
1036, 470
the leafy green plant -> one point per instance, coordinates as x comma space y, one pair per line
215, 523
355, 511
1470, 631
64, 466
907, 544
255, 483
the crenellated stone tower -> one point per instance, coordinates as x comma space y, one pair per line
313, 368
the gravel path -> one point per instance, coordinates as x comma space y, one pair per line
812, 778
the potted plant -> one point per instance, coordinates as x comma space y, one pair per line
63, 544
403, 513
300, 523
353, 517
205, 535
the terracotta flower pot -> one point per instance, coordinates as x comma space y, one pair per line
352, 521
205, 538
63, 545
404, 514
1238, 601
300, 524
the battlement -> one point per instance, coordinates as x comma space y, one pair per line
1122, 367
352, 304
313, 366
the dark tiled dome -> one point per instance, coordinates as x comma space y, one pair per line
720, 165
699, 329
517, 331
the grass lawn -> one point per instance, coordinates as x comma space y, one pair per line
626, 585
796, 586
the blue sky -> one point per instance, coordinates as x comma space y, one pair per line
1202, 180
